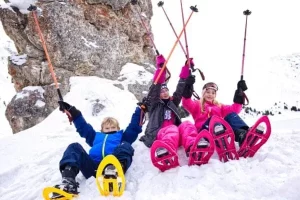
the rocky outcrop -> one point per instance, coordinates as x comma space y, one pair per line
84, 38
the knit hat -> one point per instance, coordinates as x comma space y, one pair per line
209, 85
164, 86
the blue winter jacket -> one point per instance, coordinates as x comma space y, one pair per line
104, 144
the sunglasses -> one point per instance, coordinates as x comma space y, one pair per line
211, 86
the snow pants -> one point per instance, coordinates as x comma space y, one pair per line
189, 132
76, 156
174, 136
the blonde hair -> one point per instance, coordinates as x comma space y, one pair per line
202, 102
110, 121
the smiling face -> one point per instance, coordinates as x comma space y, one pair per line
209, 95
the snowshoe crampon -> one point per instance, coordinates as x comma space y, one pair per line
224, 139
110, 183
256, 137
62, 194
163, 156
202, 149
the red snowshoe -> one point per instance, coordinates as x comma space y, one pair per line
224, 139
202, 149
163, 156
256, 137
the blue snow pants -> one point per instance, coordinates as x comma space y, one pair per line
233, 119
76, 156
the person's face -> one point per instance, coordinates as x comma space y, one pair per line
164, 93
109, 128
209, 95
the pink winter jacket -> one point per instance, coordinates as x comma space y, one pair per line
194, 108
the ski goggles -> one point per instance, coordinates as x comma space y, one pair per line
211, 85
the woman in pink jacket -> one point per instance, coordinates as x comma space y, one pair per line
202, 110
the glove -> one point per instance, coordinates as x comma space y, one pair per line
188, 91
71, 109
191, 62
185, 70
242, 85
160, 60
144, 105
239, 97
190, 80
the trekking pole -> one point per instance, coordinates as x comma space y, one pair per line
185, 37
187, 47
51, 69
160, 4
247, 13
134, 2
194, 9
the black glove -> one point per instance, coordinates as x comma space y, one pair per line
242, 85
188, 91
144, 105
190, 80
239, 97
71, 109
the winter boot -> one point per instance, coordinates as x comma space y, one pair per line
254, 138
68, 183
110, 172
202, 149
163, 156
240, 134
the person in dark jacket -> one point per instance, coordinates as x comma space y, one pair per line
162, 133
110, 140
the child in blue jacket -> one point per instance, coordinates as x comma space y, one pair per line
110, 140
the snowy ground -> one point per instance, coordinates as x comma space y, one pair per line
29, 160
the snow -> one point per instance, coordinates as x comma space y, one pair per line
18, 60
89, 44
22, 5
132, 73
29, 159
25, 91
7, 90
40, 103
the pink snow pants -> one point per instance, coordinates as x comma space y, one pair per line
174, 136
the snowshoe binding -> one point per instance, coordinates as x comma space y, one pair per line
110, 177
255, 138
224, 139
163, 156
202, 149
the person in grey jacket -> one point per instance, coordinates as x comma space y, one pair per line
162, 133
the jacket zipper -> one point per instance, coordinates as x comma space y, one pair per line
103, 146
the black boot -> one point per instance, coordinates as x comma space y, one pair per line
240, 135
68, 183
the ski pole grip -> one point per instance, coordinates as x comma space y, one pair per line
160, 4
247, 12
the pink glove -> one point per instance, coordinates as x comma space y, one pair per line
160, 60
185, 70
